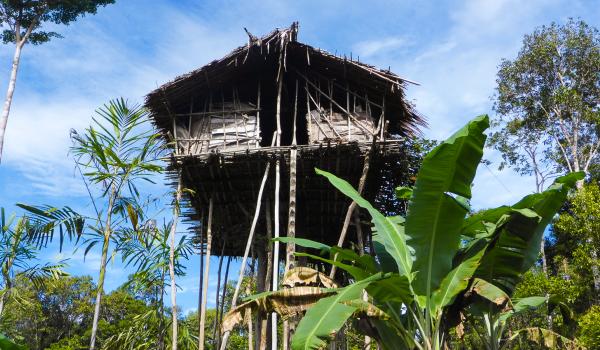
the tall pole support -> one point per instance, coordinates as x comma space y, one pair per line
277, 189
201, 286
206, 272
291, 229
215, 333
248, 244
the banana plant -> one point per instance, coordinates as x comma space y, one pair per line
495, 308
426, 263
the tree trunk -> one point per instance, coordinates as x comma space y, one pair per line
9, 94
100, 288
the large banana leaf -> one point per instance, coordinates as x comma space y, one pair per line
546, 205
436, 210
387, 232
501, 265
457, 280
325, 318
516, 243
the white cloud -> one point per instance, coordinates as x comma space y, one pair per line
371, 48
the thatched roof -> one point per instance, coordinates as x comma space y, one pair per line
259, 55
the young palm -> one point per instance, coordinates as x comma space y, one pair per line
150, 254
113, 154
16, 255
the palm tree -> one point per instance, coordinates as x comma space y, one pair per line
150, 254
113, 155
16, 255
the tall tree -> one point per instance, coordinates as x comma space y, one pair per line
22, 21
548, 102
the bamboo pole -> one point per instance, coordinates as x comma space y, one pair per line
206, 272
248, 243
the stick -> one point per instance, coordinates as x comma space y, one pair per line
206, 272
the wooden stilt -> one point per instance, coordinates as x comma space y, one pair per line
264, 326
217, 304
200, 285
276, 208
249, 322
224, 292
172, 233
291, 230
206, 272
352, 206
248, 244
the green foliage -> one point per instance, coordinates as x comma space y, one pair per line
546, 97
427, 265
589, 328
20, 15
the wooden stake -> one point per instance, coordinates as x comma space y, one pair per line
206, 272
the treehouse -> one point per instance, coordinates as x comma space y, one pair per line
275, 109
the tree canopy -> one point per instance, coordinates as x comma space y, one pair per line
547, 102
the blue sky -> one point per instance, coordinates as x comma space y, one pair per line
452, 48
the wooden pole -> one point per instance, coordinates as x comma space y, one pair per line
276, 208
257, 131
248, 243
264, 324
206, 272
224, 292
172, 262
201, 287
352, 206
216, 320
291, 231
